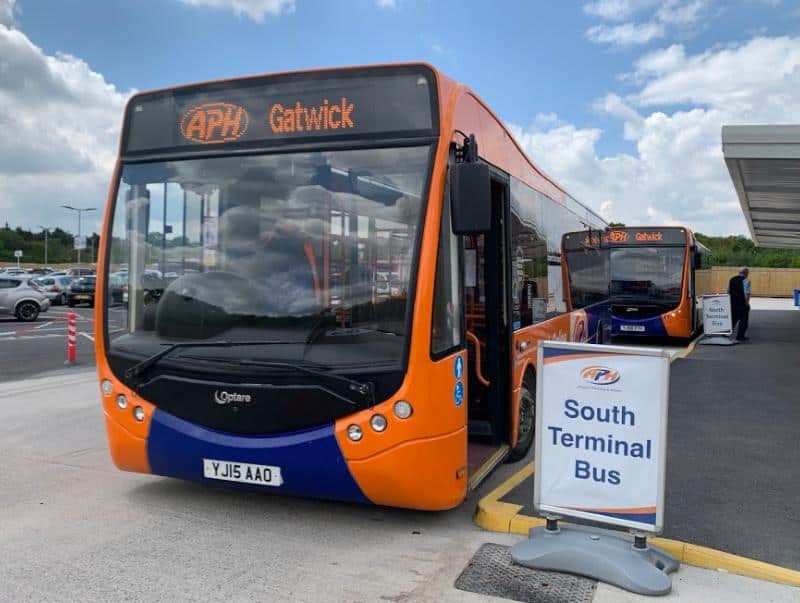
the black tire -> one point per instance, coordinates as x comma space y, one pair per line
71, 304
527, 419
27, 311
63, 299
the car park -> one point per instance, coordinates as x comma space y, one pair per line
81, 291
54, 287
18, 297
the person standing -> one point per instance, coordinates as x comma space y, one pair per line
739, 290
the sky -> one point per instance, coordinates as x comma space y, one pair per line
621, 101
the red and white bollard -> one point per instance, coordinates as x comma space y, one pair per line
71, 337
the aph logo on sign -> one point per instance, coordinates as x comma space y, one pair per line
600, 375
212, 123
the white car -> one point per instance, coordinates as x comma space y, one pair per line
18, 298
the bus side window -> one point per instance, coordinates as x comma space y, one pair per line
529, 273
446, 324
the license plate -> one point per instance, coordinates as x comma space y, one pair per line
245, 473
81, 297
636, 328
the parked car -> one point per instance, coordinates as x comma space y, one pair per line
81, 291
12, 271
54, 287
118, 285
80, 271
19, 298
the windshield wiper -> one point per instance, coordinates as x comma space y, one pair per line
356, 330
140, 367
366, 390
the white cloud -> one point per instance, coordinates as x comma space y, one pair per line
616, 10
663, 16
256, 10
743, 78
676, 173
60, 126
681, 13
7, 10
626, 34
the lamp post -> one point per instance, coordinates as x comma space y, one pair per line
45, 229
80, 210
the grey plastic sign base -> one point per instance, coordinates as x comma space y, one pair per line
717, 340
605, 555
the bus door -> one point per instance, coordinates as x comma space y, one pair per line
487, 277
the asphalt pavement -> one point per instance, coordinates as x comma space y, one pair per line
733, 450
34, 348
74, 528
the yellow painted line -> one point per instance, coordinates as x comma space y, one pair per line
687, 350
497, 516
494, 515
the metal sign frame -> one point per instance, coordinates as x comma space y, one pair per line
730, 314
546, 509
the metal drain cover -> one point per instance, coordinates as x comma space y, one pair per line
491, 572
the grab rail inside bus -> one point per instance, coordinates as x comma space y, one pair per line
477, 343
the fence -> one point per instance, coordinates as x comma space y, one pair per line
766, 282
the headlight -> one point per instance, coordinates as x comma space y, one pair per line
138, 413
122, 401
378, 422
107, 387
402, 409
354, 433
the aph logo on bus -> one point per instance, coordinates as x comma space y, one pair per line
212, 123
600, 375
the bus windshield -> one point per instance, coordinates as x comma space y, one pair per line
309, 250
647, 274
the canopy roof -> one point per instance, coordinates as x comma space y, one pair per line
764, 163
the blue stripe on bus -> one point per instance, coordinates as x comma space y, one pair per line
310, 460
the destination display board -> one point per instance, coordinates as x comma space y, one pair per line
646, 236
601, 426
397, 101
574, 241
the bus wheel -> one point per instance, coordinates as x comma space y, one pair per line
527, 419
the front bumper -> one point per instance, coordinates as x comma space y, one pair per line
311, 462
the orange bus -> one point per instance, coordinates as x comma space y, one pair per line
640, 279
329, 284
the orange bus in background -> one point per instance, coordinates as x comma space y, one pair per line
640, 279
329, 284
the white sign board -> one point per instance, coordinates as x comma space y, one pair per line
79, 242
601, 429
717, 314
18, 253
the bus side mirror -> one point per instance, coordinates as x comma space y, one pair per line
471, 198
697, 261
